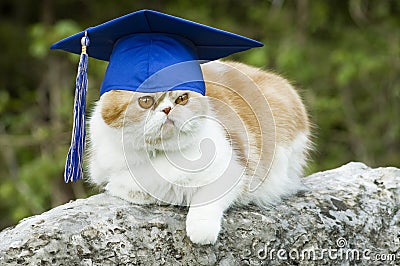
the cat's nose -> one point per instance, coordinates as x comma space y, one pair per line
166, 110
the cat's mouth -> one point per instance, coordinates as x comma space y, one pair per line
168, 128
168, 122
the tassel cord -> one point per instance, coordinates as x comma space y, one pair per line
74, 161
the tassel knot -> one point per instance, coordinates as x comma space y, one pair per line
85, 42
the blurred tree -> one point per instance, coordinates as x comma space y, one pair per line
344, 56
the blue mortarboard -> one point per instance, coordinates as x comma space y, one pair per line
148, 51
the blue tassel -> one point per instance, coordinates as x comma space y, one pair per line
74, 162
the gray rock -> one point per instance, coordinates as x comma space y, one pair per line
347, 216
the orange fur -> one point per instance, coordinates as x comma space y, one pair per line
268, 106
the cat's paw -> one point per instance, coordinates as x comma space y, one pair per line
202, 228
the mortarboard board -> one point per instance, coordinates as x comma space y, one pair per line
148, 51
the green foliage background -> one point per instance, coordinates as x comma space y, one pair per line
343, 56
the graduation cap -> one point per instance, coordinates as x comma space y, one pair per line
148, 51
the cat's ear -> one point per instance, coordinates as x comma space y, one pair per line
113, 107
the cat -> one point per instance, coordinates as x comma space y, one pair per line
246, 141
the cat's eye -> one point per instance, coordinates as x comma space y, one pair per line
183, 99
146, 102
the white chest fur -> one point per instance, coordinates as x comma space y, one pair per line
170, 176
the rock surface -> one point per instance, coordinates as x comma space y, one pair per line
347, 216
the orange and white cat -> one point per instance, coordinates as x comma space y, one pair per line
246, 141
